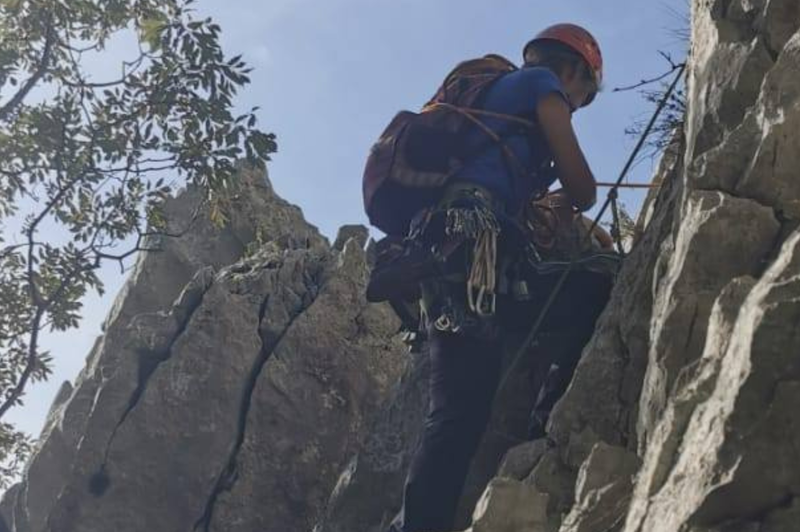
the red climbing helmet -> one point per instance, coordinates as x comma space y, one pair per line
579, 40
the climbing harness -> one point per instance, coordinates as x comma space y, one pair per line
464, 230
529, 339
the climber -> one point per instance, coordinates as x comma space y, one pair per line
474, 220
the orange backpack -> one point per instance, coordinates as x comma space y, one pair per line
417, 154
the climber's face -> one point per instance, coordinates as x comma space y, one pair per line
579, 86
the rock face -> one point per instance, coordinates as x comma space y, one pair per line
243, 383
227, 391
369, 490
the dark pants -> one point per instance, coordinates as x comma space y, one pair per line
465, 372
568, 328
560, 353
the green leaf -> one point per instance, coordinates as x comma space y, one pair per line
151, 30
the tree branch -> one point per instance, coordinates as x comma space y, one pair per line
36, 326
673, 67
30, 364
40, 71
129, 68
6, 250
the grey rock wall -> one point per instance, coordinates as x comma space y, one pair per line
236, 371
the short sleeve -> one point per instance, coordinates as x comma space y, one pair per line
541, 82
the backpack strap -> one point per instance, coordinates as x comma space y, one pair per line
478, 68
469, 79
515, 167
467, 84
469, 112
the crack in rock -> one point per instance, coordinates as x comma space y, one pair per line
228, 476
158, 351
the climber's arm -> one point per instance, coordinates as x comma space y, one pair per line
555, 120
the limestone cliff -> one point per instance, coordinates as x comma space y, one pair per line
228, 388
242, 383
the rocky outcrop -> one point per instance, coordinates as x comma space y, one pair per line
237, 371
369, 490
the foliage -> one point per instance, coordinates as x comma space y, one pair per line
623, 228
84, 162
671, 120
15, 447
669, 124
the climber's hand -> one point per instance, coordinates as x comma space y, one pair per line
555, 120
602, 236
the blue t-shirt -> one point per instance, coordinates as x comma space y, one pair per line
517, 93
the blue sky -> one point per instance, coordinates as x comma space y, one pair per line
329, 74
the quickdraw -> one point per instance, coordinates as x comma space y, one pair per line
478, 223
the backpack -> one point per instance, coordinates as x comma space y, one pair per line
417, 154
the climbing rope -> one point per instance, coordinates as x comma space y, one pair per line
529, 339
